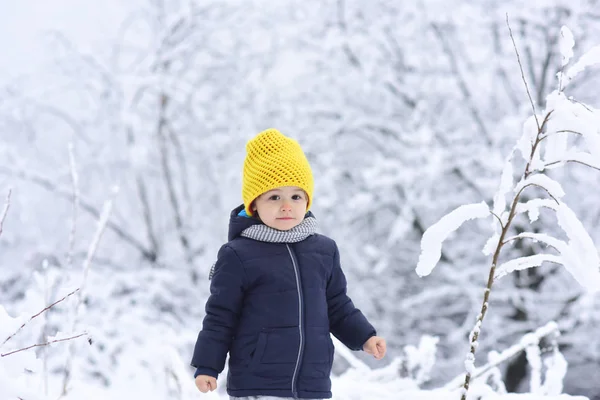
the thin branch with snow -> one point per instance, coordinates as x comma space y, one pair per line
75, 201
5, 211
100, 228
38, 314
527, 340
522, 73
43, 344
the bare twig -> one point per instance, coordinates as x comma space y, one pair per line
582, 105
39, 313
5, 211
43, 344
561, 131
522, 73
541, 129
75, 201
101, 226
517, 237
541, 187
573, 161
498, 218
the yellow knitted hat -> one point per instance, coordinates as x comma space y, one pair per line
274, 160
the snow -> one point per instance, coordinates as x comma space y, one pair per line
580, 254
565, 44
532, 207
506, 184
521, 263
393, 141
527, 140
434, 236
553, 188
491, 244
556, 370
578, 157
591, 58
420, 360
534, 359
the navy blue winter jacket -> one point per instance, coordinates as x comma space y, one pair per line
272, 307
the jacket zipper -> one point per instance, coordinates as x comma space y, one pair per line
300, 326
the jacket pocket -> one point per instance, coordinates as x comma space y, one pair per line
241, 352
318, 353
260, 349
276, 352
318, 346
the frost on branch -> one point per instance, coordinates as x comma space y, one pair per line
506, 184
570, 119
592, 57
579, 254
548, 368
13, 382
566, 43
553, 188
526, 142
532, 207
420, 360
522, 263
491, 244
556, 370
434, 236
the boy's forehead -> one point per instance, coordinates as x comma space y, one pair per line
286, 188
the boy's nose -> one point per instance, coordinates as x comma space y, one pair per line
286, 207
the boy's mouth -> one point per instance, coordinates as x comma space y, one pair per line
286, 218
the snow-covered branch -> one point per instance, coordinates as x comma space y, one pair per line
100, 228
39, 313
5, 211
533, 338
49, 342
579, 254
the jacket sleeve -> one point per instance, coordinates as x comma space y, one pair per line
222, 313
346, 322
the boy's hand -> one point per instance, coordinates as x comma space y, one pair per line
375, 346
204, 383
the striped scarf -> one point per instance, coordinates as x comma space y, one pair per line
264, 233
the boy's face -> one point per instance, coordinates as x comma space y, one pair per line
282, 208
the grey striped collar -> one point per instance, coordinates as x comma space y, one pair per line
265, 233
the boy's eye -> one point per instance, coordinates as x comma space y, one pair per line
274, 197
297, 197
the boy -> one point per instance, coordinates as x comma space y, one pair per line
277, 288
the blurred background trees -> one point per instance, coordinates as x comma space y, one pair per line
405, 111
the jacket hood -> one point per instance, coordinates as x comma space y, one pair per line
237, 223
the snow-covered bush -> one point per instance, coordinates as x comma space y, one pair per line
21, 371
567, 131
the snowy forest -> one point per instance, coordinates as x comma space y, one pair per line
122, 135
